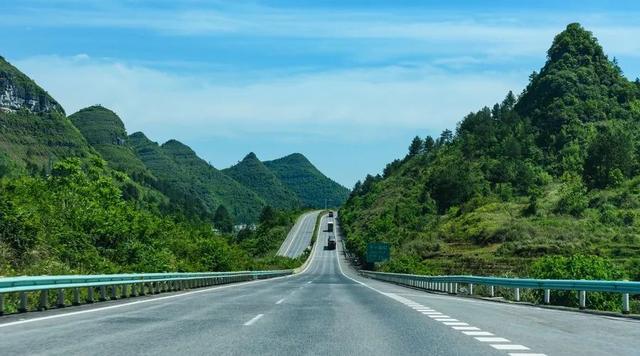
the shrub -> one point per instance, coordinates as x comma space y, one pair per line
579, 267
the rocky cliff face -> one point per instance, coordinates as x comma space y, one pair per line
13, 98
17, 92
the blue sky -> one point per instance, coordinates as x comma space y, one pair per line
347, 83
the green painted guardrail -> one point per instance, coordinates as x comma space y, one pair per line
128, 285
450, 284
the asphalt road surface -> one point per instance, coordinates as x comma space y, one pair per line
299, 238
327, 309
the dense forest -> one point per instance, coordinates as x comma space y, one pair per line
543, 184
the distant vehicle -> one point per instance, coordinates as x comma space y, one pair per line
331, 214
331, 242
330, 226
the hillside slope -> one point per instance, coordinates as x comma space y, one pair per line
254, 175
243, 204
312, 187
34, 131
554, 172
105, 132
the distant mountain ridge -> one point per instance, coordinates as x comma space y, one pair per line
311, 186
254, 175
34, 133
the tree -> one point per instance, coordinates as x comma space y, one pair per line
610, 157
429, 144
573, 196
416, 146
222, 220
445, 137
267, 216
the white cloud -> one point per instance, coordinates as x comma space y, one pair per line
496, 32
361, 102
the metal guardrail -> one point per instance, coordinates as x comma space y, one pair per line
129, 285
449, 284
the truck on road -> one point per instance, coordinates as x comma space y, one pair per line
330, 226
331, 242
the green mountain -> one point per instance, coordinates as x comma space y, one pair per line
254, 175
34, 131
243, 204
550, 174
311, 186
183, 190
106, 133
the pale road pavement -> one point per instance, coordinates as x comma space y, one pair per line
327, 309
299, 238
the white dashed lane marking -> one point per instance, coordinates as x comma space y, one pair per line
498, 343
255, 318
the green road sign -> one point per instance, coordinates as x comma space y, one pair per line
377, 252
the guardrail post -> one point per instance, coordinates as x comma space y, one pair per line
547, 296
103, 293
517, 294
455, 288
493, 291
60, 302
76, 296
470, 288
123, 291
44, 300
583, 299
625, 303
1, 303
114, 292
23, 302
90, 295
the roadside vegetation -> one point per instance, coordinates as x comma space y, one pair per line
545, 184
77, 220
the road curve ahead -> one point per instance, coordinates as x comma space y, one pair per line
327, 309
299, 238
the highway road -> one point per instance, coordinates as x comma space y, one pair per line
326, 309
299, 238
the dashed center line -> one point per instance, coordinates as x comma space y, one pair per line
280, 301
253, 320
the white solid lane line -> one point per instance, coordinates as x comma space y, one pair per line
253, 320
280, 301
155, 299
293, 237
212, 289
